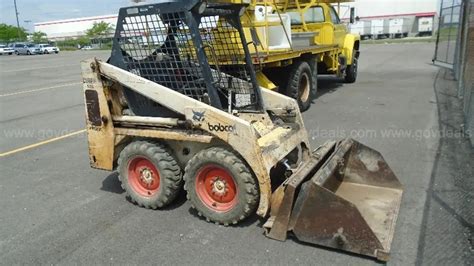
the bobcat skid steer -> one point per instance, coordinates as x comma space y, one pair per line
178, 104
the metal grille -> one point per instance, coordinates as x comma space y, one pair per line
165, 47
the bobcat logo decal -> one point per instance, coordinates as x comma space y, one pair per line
198, 116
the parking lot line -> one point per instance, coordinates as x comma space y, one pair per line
37, 68
41, 89
41, 143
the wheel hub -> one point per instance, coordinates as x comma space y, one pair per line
216, 188
146, 175
304, 87
143, 176
219, 186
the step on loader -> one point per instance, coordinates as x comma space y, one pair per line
178, 105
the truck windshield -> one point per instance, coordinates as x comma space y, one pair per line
312, 15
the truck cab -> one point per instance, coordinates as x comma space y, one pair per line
322, 24
322, 20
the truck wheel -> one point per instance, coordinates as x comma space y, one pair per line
351, 70
220, 186
149, 174
313, 64
300, 85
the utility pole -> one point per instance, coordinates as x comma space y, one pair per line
17, 21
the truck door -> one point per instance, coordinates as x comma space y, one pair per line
340, 29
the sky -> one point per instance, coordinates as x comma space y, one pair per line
47, 10
34, 11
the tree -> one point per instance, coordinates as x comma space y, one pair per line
39, 36
100, 30
83, 41
9, 33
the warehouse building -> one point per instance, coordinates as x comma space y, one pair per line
392, 19
72, 28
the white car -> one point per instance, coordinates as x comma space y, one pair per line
48, 49
6, 50
87, 47
26, 48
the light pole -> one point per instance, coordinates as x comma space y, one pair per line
28, 23
17, 20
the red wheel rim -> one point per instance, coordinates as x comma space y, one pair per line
143, 176
216, 188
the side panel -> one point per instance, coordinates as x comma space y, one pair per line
100, 130
348, 48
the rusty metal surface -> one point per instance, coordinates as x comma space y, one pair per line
320, 217
378, 205
350, 203
100, 129
283, 198
92, 107
367, 166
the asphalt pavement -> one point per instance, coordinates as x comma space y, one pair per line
56, 209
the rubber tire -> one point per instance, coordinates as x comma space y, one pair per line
351, 70
292, 88
246, 184
313, 64
45, 52
167, 166
28, 53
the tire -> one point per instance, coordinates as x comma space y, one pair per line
220, 186
313, 64
45, 52
351, 70
300, 85
159, 185
28, 53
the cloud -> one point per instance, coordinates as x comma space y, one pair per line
58, 9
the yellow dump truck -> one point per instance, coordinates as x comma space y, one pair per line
292, 41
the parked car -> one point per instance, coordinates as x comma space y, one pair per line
27, 48
87, 47
6, 50
48, 49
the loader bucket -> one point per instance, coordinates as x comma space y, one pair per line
348, 199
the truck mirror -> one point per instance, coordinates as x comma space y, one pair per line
352, 19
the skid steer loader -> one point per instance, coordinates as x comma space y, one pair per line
178, 104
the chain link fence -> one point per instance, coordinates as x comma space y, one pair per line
455, 50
